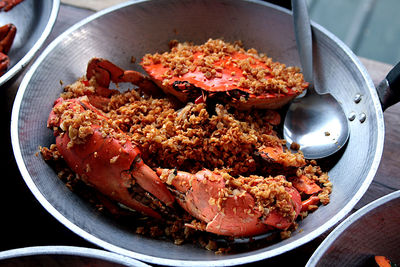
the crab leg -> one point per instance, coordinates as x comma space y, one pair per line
7, 5
308, 203
109, 164
306, 185
4, 62
7, 34
225, 212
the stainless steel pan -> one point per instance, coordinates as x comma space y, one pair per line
34, 20
65, 256
372, 230
140, 27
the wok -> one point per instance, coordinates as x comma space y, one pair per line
139, 27
372, 230
34, 21
64, 256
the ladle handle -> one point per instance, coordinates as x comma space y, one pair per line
389, 88
302, 30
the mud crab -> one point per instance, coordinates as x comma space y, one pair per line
7, 34
104, 157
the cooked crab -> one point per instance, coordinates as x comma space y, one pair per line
106, 158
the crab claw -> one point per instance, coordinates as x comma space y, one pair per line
276, 155
305, 184
273, 159
105, 159
226, 210
7, 34
7, 5
4, 62
105, 72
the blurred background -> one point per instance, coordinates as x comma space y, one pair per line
371, 28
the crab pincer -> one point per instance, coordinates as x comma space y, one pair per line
232, 206
104, 157
7, 5
7, 35
105, 72
4, 62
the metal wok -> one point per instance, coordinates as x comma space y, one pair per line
140, 27
64, 256
372, 230
34, 21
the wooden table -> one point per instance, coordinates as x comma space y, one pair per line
24, 222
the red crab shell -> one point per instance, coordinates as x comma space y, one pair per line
227, 83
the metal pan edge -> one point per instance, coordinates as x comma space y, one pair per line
34, 49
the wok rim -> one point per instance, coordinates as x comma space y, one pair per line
257, 256
342, 227
24, 61
70, 251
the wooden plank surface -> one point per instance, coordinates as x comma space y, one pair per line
26, 223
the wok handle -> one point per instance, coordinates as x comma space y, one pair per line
389, 89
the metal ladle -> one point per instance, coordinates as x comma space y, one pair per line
316, 122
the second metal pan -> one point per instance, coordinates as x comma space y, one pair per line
34, 21
371, 231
